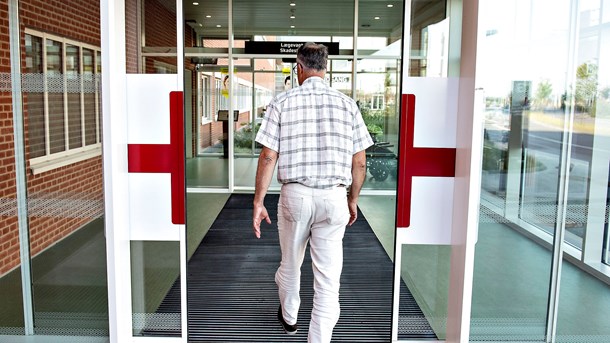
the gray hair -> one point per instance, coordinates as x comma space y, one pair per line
313, 56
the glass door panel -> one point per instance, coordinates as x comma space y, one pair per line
11, 316
584, 300
65, 201
522, 155
253, 91
209, 167
377, 89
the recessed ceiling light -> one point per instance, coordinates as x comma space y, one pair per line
377, 18
390, 5
218, 26
200, 24
292, 4
195, 3
208, 16
292, 26
292, 16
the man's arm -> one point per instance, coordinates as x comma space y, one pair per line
266, 164
358, 175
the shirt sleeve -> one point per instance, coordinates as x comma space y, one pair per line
362, 138
269, 132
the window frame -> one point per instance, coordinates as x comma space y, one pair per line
203, 98
50, 161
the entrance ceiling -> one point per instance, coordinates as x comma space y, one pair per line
311, 17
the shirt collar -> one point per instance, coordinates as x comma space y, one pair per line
313, 79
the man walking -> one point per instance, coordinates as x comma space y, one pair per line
318, 139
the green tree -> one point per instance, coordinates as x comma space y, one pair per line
586, 88
543, 94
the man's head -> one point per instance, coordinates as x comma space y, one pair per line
311, 61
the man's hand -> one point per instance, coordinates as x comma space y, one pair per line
259, 213
264, 172
353, 211
358, 175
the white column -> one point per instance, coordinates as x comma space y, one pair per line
115, 168
467, 182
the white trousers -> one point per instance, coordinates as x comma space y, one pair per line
318, 216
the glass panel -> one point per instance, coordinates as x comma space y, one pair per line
11, 301
11, 316
243, 103
502, 256
584, 300
339, 76
65, 212
155, 288
164, 35
378, 85
89, 93
210, 168
209, 21
74, 93
159, 43
429, 34
521, 79
68, 278
380, 27
424, 291
606, 257
34, 97
584, 307
98, 88
254, 91
56, 90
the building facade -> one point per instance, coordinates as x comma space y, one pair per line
511, 244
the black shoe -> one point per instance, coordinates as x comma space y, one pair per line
290, 329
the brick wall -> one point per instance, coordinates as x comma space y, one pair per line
159, 31
76, 19
61, 200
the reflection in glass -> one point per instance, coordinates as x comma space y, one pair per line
11, 316
429, 38
257, 88
56, 88
377, 86
89, 90
35, 100
155, 288
160, 41
73, 88
69, 280
536, 102
424, 292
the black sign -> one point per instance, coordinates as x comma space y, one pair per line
284, 48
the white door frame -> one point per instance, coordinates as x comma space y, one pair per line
118, 230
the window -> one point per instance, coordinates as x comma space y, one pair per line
205, 112
377, 102
61, 91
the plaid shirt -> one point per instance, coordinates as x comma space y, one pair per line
315, 130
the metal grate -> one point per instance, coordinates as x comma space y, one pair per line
232, 296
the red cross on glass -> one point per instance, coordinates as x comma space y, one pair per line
416, 161
165, 158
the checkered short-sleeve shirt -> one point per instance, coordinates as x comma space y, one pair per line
315, 130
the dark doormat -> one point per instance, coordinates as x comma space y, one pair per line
232, 296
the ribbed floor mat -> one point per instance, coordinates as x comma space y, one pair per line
232, 296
